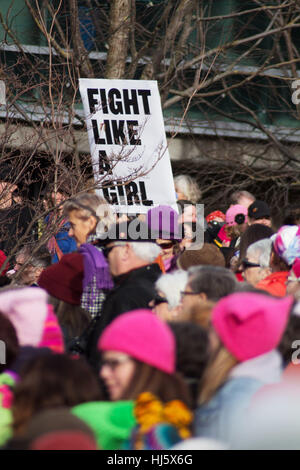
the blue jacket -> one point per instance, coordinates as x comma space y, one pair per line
66, 243
221, 417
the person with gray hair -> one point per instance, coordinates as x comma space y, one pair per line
187, 188
256, 265
89, 216
243, 198
30, 264
206, 283
166, 303
131, 258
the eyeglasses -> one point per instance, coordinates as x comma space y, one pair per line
157, 300
114, 363
247, 264
184, 292
107, 249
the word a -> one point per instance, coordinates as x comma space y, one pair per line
296, 93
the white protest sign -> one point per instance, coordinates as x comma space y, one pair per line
128, 143
2, 93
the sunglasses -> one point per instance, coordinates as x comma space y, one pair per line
107, 249
157, 300
165, 246
247, 264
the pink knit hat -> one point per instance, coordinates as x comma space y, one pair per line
233, 212
143, 336
52, 337
34, 320
27, 310
251, 324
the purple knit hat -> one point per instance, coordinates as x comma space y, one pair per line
163, 222
251, 324
143, 336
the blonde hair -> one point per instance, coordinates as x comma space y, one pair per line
216, 373
91, 204
188, 186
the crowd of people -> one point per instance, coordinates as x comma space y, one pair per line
165, 330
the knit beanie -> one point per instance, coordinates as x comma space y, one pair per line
213, 215
26, 308
235, 214
286, 243
250, 324
209, 254
52, 337
143, 336
112, 422
64, 279
54, 420
163, 222
296, 269
64, 440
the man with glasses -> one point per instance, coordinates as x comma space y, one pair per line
206, 283
256, 265
131, 255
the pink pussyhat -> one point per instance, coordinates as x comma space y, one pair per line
234, 213
143, 336
52, 336
27, 310
251, 324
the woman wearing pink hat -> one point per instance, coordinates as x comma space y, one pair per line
247, 328
138, 355
138, 363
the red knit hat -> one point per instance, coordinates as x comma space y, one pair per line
214, 215
64, 440
63, 280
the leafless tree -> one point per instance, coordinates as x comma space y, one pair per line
213, 64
